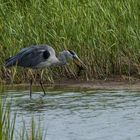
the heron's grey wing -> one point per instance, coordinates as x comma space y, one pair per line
33, 57
11, 61
30, 56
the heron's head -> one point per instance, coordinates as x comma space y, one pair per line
73, 56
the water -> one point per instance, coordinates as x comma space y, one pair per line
86, 115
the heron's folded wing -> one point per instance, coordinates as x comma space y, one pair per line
30, 56
33, 57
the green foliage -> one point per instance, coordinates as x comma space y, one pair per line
105, 34
7, 126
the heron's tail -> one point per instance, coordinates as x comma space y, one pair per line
11, 61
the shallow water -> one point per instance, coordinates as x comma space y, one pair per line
86, 115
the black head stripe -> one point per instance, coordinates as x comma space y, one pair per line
72, 52
46, 54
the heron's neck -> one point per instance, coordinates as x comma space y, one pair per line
62, 58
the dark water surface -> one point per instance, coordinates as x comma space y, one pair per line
86, 115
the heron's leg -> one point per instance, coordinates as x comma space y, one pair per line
31, 81
41, 83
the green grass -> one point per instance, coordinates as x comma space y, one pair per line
105, 34
7, 126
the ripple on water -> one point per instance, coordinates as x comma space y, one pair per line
68, 115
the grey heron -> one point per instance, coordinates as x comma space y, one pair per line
42, 56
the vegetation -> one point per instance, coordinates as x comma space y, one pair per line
7, 127
104, 33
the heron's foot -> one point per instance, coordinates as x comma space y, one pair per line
42, 96
44, 92
30, 95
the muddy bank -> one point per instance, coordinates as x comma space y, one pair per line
132, 84
103, 85
109, 83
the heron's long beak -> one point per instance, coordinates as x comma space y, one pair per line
79, 63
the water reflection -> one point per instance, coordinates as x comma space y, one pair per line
100, 115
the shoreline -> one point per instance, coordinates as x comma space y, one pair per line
107, 84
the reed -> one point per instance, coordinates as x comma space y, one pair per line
7, 126
105, 34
